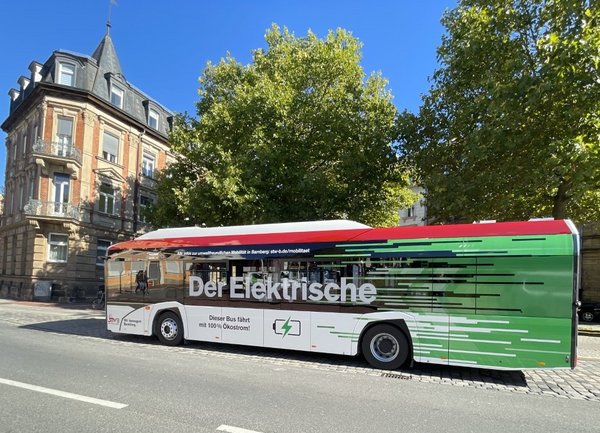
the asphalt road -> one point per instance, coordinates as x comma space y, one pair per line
186, 390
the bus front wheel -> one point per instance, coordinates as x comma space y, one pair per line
385, 346
169, 329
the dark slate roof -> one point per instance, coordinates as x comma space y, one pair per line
96, 74
106, 56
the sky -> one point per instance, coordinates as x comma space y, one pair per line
163, 46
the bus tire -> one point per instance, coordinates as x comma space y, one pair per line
385, 347
169, 329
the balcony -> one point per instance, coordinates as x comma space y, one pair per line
51, 209
56, 149
57, 153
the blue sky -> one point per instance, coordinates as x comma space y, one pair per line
163, 46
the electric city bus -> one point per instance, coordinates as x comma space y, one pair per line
490, 295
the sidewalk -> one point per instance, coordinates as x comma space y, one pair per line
65, 305
589, 328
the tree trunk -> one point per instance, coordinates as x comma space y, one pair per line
561, 200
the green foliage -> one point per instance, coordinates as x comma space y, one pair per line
299, 134
511, 126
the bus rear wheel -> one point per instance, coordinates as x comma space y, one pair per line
169, 329
385, 347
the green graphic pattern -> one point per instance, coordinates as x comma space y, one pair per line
502, 302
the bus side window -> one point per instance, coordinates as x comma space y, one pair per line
115, 278
154, 274
136, 267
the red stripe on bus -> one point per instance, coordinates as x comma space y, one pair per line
527, 228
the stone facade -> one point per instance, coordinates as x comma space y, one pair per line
82, 149
416, 215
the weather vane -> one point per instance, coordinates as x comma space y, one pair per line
111, 3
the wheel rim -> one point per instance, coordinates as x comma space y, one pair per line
385, 347
587, 316
168, 329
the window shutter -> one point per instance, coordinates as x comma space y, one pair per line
110, 144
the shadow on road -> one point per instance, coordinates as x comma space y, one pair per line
96, 327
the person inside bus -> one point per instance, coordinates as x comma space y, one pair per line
141, 282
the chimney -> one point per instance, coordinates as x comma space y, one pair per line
23, 82
35, 69
14, 94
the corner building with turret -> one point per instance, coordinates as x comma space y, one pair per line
83, 146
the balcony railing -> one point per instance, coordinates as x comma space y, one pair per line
51, 209
56, 149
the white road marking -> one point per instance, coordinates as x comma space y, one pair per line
64, 394
232, 429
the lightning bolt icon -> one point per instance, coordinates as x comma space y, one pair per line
286, 327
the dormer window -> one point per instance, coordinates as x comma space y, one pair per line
116, 96
66, 74
153, 117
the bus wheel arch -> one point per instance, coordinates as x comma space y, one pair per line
386, 345
168, 327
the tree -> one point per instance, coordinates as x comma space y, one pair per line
510, 128
299, 134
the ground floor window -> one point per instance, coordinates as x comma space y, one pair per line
101, 251
57, 247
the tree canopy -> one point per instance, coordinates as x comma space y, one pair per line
298, 134
510, 128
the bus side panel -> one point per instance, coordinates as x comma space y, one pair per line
202, 323
333, 333
242, 326
287, 329
510, 342
125, 319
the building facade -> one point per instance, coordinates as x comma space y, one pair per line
416, 215
82, 148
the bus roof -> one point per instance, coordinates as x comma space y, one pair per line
332, 231
309, 226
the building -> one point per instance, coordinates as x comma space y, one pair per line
82, 148
416, 215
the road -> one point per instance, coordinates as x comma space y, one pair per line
142, 386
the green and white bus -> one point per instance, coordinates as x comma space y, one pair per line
491, 295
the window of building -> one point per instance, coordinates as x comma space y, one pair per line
64, 134
116, 96
22, 191
153, 118
66, 74
148, 165
110, 147
24, 149
61, 183
410, 212
106, 203
14, 255
101, 251
32, 180
57, 247
145, 202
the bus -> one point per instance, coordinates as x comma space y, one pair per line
489, 295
